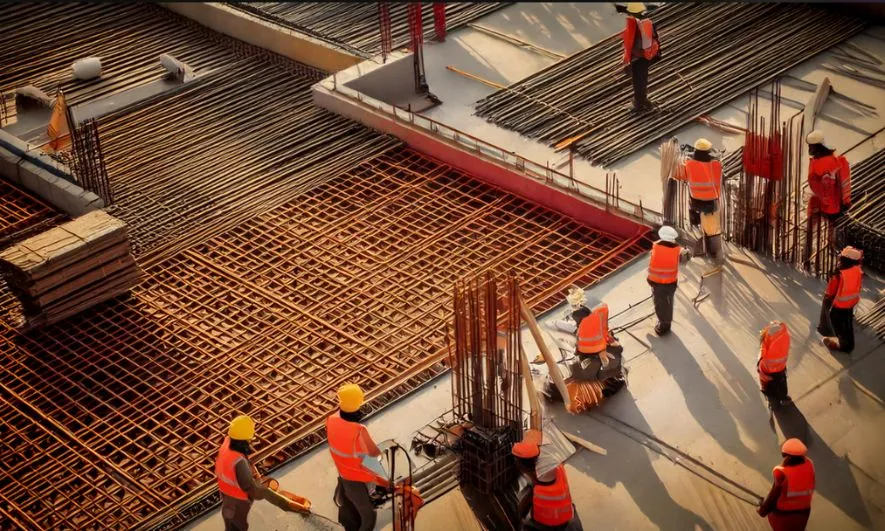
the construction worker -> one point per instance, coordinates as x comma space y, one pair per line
663, 274
829, 177
704, 176
545, 504
774, 349
355, 455
788, 504
641, 49
236, 478
842, 295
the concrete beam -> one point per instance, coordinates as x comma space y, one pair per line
255, 31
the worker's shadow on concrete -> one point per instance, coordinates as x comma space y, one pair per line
835, 480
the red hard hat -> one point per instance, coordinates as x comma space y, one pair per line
794, 447
526, 450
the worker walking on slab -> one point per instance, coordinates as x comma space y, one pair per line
774, 349
842, 295
355, 455
545, 504
704, 176
829, 177
788, 504
236, 478
663, 275
641, 49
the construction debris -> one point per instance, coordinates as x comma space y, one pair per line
69, 268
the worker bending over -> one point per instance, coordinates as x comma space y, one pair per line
788, 504
641, 49
774, 349
829, 177
355, 455
663, 275
545, 504
704, 176
842, 295
236, 479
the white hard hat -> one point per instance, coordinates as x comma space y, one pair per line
817, 137
667, 233
635, 8
576, 297
702, 144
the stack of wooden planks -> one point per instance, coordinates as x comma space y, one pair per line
69, 268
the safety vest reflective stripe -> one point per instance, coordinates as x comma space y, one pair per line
703, 179
794, 494
645, 31
799, 487
563, 496
849, 288
663, 267
552, 504
592, 331
342, 454
226, 471
343, 435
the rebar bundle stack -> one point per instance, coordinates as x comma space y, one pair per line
486, 379
864, 225
711, 53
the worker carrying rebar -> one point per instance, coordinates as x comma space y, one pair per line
788, 504
236, 477
641, 49
663, 275
836, 323
704, 176
356, 457
829, 177
545, 504
774, 350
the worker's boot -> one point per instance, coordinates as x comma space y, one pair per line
831, 343
662, 330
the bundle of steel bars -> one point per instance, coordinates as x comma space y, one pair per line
864, 225
355, 26
711, 53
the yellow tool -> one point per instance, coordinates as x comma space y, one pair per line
701, 294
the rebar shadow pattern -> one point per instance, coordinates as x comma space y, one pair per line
351, 282
711, 53
356, 25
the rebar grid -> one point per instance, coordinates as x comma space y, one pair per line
351, 282
20, 212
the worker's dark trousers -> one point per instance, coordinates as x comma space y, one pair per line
355, 509
574, 525
843, 327
788, 520
639, 73
235, 513
663, 295
774, 386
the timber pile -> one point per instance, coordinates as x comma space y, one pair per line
69, 268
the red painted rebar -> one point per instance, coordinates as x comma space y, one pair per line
439, 20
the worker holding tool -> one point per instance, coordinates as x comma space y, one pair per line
641, 49
236, 477
663, 275
829, 177
356, 457
774, 349
545, 504
842, 295
704, 176
788, 504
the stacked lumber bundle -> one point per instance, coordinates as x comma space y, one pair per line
69, 268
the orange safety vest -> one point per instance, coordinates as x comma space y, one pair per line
835, 185
226, 473
850, 281
775, 350
663, 267
552, 504
593, 331
650, 46
798, 488
343, 437
704, 179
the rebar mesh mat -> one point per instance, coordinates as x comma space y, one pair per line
356, 25
21, 213
711, 53
351, 282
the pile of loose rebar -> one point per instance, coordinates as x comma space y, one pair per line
711, 53
356, 26
864, 226
874, 318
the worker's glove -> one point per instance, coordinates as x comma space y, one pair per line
685, 255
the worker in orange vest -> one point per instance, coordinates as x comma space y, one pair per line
788, 504
842, 295
663, 274
829, 177
355, 456
774, 349
704, 176
236, 478
641, 49
546, 502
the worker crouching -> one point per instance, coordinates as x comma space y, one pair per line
355, 456
663, 275
788, 504
546, 503
704, 176
236, 478
774, 350
842, 295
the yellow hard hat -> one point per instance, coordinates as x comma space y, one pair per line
350, 398
702, 144
242, 428
635, 8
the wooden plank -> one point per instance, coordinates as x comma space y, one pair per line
118, 251
92, 280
